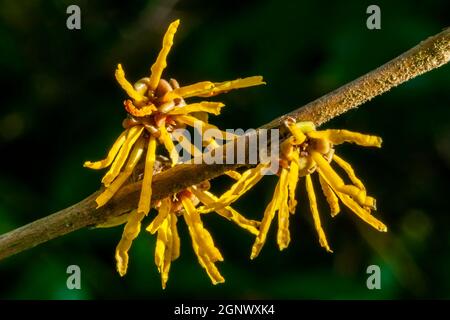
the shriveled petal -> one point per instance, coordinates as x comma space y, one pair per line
204, 106
163, 211
331, 197
228, 212
111, 154
315, 214
146, 191
341, 136
130, 232
134, 157
283, 234
132, 135
129, 89
161, 63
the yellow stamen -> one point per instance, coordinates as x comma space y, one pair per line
161, 63
341, 136
315, 214
130, 232
331, 197
146, 191
109, 192
133, 134
129, 89
111, 154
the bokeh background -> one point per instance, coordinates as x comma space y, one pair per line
61, 106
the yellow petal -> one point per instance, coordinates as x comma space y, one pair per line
204, 106
341, 136
146, 191
163, 211
194, 122
163, 250
168, 144
300, 137
204, 239
129, 89
292, 181
111, 154
315, 214
349, 170
229, 213
130, 232
226, 86
188, 91
176, 237
109, 192
283, 235
161, 63
269, 214
202, 242
133, 134
331, 197
248, 179
114, 221
360, 212
335, 181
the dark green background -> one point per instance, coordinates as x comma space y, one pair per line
61, 106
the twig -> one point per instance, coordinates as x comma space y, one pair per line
428, 55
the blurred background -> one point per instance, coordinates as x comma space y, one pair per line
61, 106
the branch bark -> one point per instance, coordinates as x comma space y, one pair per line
427, 55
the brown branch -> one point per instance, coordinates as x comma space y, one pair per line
428, 55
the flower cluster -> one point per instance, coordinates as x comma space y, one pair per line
155, 108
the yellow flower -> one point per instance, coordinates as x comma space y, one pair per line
155, 108
304, 152
168, 242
